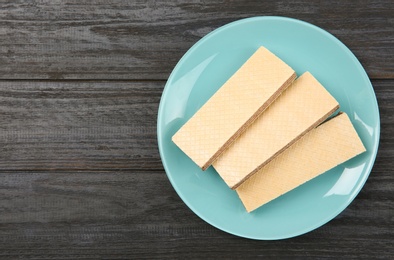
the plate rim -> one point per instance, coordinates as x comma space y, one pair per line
361, 69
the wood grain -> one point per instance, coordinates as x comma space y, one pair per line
115, 39
79, 125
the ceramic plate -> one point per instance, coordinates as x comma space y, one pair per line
207, 65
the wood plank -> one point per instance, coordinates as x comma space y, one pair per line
102, 125
79, 125
144, 39
138, 214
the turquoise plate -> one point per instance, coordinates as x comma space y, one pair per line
207, 65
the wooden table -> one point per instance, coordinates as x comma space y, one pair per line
81, 176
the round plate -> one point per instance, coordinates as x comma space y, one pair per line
203, 70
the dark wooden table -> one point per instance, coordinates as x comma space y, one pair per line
80, 172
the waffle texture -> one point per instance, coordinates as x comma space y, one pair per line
234, 107
301, 107
321, 149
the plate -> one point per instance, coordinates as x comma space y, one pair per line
201, 72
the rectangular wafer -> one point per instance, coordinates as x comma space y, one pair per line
301, 107
233, 107
321, 149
